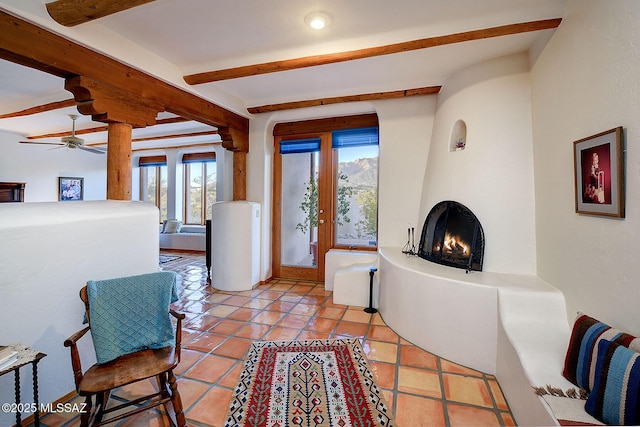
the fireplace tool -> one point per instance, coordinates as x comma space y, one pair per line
409, 248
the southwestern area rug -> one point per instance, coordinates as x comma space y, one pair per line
319, 383
168, 258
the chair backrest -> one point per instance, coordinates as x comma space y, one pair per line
129, 314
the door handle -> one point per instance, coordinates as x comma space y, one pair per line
321, 221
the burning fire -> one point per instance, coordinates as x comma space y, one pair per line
453, 245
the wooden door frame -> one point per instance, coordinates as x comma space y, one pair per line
324, 211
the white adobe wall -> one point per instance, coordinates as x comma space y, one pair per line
493, 175
48, 251
585, 82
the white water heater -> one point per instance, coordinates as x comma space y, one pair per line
235, 245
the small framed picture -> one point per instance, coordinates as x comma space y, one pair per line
599, 174
70, 188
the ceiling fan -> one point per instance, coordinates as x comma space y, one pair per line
70, 141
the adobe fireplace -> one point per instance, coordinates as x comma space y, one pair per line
453, 236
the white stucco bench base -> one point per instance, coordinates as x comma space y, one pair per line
351, 285
513, 326
347, 275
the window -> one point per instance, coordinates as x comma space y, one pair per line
200, 186
355, 187
153, 182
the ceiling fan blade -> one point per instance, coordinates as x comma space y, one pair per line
42, 143
91, 149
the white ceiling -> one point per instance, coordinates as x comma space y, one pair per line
173, 38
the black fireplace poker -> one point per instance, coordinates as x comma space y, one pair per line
370, 309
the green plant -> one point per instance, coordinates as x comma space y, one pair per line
309, 204
368, 201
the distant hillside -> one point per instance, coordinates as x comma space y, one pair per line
362, 173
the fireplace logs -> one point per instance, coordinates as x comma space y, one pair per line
453, 236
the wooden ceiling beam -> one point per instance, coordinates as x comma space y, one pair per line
73, 12
166, 136
429, 90
168, 120
35, 47
315, 60
323, 125
169, 147
110, 104
176, 135
40, 109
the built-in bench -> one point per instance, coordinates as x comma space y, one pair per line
347, 275
509, 325
190, 237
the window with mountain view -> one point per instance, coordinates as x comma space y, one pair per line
356, 187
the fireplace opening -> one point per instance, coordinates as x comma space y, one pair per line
452, 236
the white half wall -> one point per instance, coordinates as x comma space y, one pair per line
493, 175
48, 251
586, 82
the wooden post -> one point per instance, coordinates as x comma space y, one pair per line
237, 141
239, 175
119, 161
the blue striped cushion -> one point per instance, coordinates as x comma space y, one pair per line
615, 397
579, 364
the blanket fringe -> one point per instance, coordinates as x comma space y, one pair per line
571, 393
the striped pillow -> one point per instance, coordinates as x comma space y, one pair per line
579, 363
615, 397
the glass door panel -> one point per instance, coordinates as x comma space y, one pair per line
299, 207
300, 235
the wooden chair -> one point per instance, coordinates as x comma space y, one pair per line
100, 379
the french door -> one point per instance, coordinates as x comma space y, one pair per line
302, 199
325, 193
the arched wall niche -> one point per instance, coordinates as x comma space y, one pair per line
458, 140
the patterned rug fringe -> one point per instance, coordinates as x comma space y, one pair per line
571, 393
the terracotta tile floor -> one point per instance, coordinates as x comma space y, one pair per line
421, 388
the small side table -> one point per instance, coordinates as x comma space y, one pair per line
25, 356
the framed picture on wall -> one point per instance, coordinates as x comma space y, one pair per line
70, 188
599, 174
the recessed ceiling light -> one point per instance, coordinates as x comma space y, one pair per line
317, 20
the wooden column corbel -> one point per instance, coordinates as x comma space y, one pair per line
237, 142
122, 111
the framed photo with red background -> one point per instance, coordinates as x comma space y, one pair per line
599, 174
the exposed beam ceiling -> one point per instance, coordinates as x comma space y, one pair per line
168, 39
316, 60
73, 12
27, 44
100, 129
349, 98
40, 108
170, 136
168, 147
